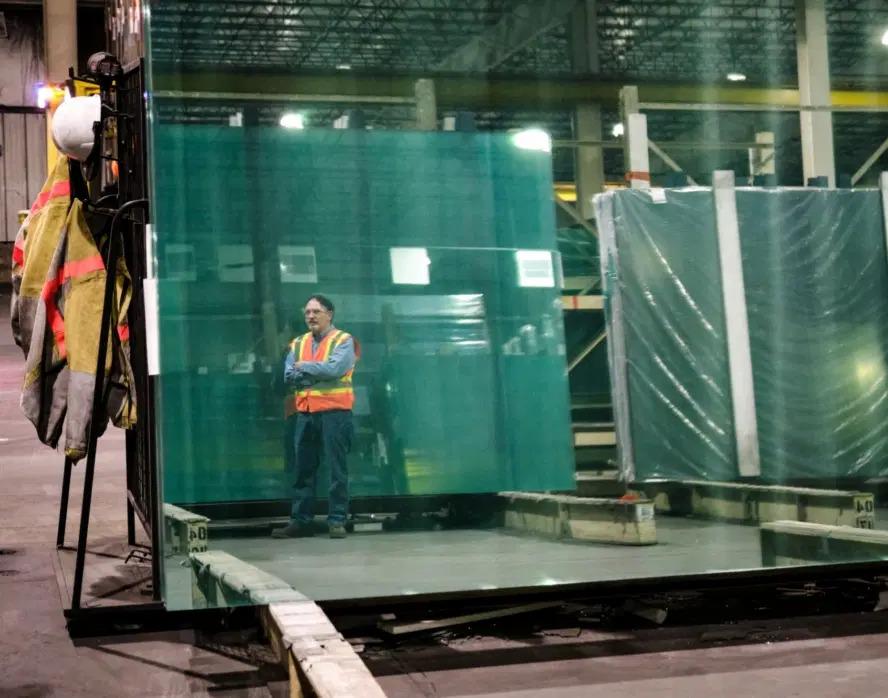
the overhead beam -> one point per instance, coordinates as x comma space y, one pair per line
512, 33
475, 93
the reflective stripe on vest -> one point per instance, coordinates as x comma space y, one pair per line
290, 400
336, 394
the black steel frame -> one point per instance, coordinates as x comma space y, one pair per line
142, 492
123, 94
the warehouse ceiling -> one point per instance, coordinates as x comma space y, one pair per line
639, 41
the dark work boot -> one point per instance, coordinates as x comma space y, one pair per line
293, 530
337, 531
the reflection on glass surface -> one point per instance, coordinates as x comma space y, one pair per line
496, 432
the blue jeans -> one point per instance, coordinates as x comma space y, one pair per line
327, 437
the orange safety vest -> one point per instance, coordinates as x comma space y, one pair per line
323, 396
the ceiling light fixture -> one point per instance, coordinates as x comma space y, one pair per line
292, 120
885, 38
533, 139
618, 130
736, 77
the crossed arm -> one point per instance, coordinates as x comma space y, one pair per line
302, 373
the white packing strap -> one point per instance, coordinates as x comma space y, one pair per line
149, 301
639, 169
736, 324
152, 337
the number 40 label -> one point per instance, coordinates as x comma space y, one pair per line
864, 505
197, 539
866, 510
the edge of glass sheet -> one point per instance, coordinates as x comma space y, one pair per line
616, 338
698, 581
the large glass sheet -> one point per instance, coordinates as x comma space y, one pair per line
454, 329
439, 251
814, 268
673, 319
816, 278
430, 168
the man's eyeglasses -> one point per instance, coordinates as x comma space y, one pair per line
312, 313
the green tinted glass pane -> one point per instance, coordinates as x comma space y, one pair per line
815, 269
813, 263
679, 395
459, 345
406, 163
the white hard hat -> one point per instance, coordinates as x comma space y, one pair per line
72, 126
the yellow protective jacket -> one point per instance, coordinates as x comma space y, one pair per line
57, 310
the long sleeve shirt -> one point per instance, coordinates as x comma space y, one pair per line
340, 362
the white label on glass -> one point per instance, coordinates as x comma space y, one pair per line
535, 269
298, 264
410, 266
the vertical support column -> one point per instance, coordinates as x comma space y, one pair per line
60, 38
60, 52
761, 159
639, 172
736, 324
426, 105
628, 101
635, 140
589, 159
818, 157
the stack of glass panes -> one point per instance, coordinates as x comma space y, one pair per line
816, 290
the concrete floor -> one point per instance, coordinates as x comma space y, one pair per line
38, 658
386, 564
812, 659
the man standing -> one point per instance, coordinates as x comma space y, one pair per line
319, 370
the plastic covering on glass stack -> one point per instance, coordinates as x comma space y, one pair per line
438, 250
815, 284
